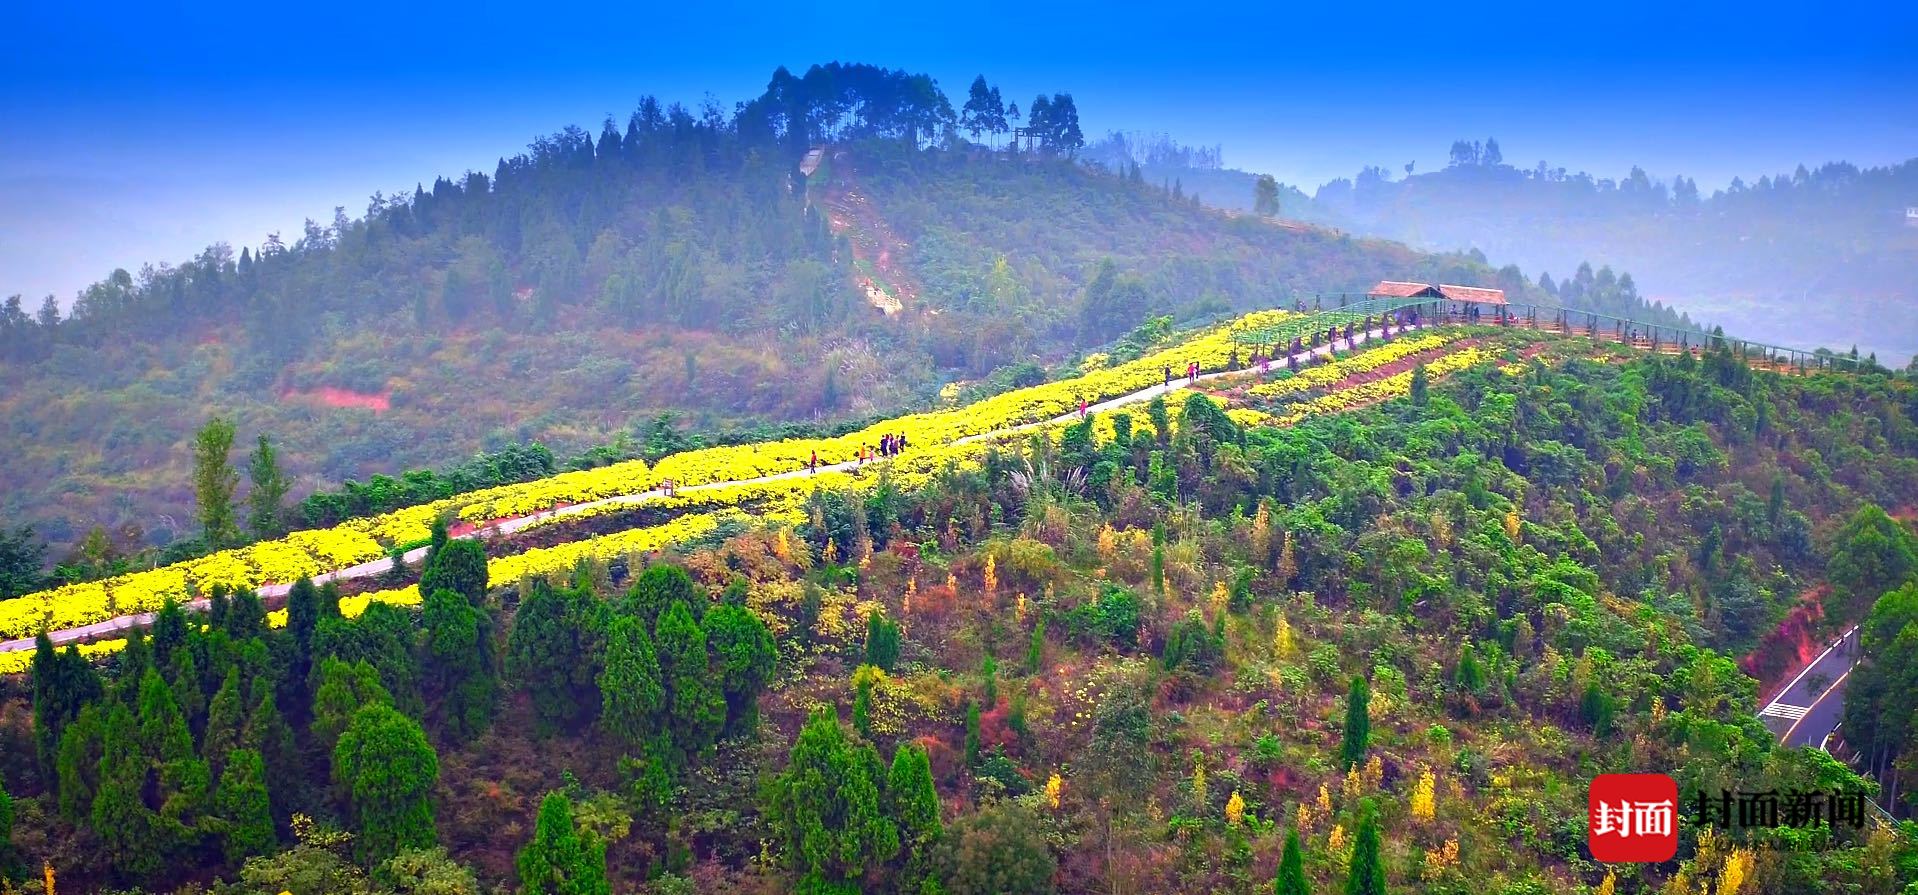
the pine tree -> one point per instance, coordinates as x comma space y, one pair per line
1421, 386
825, 807
344, 688
1358, 724
169, 632
77, 764
911, 798
695, 703
457, 665
1291, 879
656, 588
225, 717
558, 861
129, 831
460, 567
268, 734
743, 655
266, 501
1036, 650
245, 617
186, 689
631, 694
214, 481
9, 857
1367, 873
554, 651
972, 734
882, 641
388, 771
244, 807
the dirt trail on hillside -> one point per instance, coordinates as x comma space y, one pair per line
876, 249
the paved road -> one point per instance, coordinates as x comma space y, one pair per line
1810, 707
379, 566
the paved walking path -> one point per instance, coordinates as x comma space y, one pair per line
380, 566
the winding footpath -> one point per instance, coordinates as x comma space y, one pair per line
112, 626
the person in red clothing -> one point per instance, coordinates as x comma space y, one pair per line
1082, 406
813, 465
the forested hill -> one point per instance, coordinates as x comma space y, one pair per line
1821, 255
678, 262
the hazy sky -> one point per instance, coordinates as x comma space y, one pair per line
146, 131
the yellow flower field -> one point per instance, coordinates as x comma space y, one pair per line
306, 553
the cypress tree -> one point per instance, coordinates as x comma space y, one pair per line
225, 718
129, 831
882, 641
1421, 385
245, 617
1358, 724
267, 733
344, 689
244, 807
695, 704
460, 567
457, 664
631, 694
169, 632
554, 651
77, 766
1291, 879
1367, 873
303, 615
388, 771
825, 807
1036, 651
9, 857
657, 587
743, 655
186, 689
163, 731
558, 861
972, 734
912, 801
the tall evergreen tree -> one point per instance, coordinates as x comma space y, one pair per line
825, 807
656, 588
267, 501
129, 831
559, 861
214, 481
554, 651
631, 694
77, 764
695, 703
388, 771
1366, 875
169, 632
457, 666
244, 807
882, 641
344, 688
1358, 724
460, 567
912, 801
743, 655
1291, 879
268, 734
225, 720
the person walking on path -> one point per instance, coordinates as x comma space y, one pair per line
1082, 406
813, 465
1168, 377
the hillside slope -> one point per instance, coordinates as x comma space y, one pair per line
588, 285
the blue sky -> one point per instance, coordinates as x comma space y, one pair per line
134, 133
